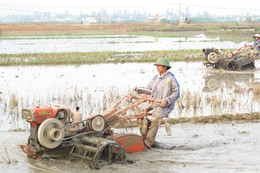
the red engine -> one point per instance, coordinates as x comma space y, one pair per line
38, 114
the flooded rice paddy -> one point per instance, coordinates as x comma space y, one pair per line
94, 88
96, 43
225, 147
193, 147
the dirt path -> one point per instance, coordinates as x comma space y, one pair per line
193, 147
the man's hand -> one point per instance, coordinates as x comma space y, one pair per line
143, 96
164, 103
248, 46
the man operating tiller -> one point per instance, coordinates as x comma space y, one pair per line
165, 89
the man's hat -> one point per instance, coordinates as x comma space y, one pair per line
163, 62
256, 35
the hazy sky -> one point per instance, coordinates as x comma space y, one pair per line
219, 7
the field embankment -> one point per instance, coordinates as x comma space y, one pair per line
52, 29
98, 57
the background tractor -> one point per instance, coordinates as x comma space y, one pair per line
228, 60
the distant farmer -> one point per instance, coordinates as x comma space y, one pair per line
255, 46
165, 88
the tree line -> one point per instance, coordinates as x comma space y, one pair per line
125, 16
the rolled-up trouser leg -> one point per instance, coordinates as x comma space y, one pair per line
152, 132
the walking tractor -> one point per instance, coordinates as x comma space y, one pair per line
242, 58
57, 131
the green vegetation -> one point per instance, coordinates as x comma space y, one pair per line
195, 27
165, 28
98, 57
227, 32
232, 32
53, 58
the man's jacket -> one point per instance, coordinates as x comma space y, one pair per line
164, 87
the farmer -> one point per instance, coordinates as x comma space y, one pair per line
255, 46
165, 89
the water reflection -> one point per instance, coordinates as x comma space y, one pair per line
217, 81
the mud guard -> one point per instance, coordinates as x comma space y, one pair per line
129, 142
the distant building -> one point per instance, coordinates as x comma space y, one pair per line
60, 20
90, 20
155, 19
181, 21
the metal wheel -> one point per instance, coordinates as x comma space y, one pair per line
62, 115
98, 123
212, 57
229, 55
51, 133
233, 65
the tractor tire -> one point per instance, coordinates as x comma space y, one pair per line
212, 57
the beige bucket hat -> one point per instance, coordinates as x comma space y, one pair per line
256, 35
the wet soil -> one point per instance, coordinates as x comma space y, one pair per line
193, 147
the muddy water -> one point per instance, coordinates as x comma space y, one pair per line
227, 147
119, 43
